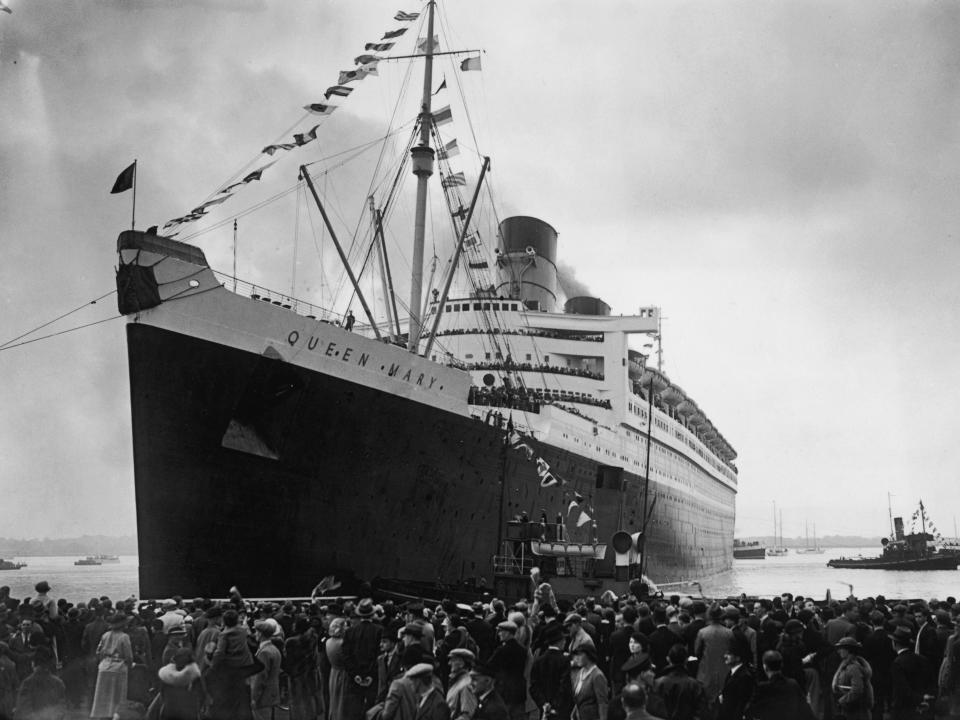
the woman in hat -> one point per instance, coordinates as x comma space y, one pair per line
852, 689
337, 673
115, 657
591, 694
182, 690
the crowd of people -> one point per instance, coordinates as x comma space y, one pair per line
607, 658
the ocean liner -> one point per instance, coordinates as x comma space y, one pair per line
500, 427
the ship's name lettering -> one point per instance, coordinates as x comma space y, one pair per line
332, 349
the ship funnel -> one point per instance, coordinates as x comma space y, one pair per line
527, 262
898, 528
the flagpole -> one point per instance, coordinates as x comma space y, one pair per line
133, 214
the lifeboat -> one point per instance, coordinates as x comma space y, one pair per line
557, 548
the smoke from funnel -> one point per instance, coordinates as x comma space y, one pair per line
569, 283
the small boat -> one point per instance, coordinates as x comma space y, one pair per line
778, 548
107, 558
88, 560
811, 549
913, 551
743, 550
8, 565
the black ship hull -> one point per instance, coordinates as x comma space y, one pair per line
940, 562
267, 475
752, 553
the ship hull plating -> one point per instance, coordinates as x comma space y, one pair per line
255, 472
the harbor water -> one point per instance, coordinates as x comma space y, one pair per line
800, 574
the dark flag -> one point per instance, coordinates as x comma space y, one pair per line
125, 179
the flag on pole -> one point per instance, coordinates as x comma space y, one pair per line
402, 16
366, 59
583, 519
472, 63
378, 47
451, 148
124, 180
304, 138
443, 115
422, 44
390, 34
271, 149
351, 75
320, 108
338, 90
441, 87
454, 180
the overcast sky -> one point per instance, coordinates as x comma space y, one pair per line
781, 178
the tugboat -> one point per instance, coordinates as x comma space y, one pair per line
88, 560
7, 565
743, 550
915, 551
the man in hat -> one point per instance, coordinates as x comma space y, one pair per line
207, 639
550, 685
661, 640
710, 647
171, 616
908, 676
401, 701
265, 686
388, 661
575, 632
42, 694
430, 702
739, 685
698, 613
879, 653
509, 661
460, 697
361, 646
778, 697
682, 695
490, 706
229, 668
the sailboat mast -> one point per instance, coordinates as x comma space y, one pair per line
422, 160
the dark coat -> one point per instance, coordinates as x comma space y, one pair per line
737, 692
550, 682
484, 636
779, 698
491, 707
361, 646
683, 696
619, 649
434, 707
661, 640
908, 676
509, 661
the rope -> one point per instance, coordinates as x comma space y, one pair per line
62, 332
51, 322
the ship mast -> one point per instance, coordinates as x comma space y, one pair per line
422, 160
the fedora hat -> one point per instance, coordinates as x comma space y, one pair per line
364, 608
